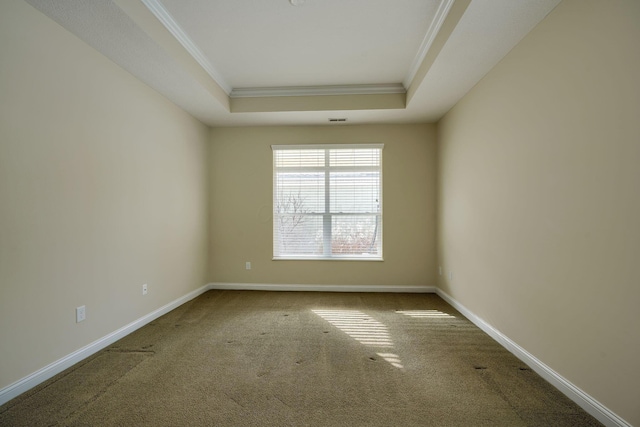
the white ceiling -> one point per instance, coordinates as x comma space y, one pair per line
204, 54
321, 42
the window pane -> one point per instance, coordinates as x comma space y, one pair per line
355, 157
298, 158
299, 192
355, 192
355, 235
298, 235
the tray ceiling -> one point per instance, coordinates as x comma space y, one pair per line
256, 62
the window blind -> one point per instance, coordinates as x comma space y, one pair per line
327, 201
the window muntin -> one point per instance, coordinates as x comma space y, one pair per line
327, 201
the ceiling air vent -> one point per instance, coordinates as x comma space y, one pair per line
338, 120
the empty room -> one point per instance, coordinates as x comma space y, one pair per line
320, 212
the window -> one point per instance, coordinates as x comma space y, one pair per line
327, 201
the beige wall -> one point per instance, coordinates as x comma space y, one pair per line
241, 203
539, 214
103, 187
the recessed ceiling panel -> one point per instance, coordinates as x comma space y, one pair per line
296, 51
271, 43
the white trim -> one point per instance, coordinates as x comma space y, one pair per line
586, 402
41, 375
324, 257
258, 92
429, 37
364, 146
320, 288
172, 26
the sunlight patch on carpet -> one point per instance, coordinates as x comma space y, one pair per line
426, 314
364, 329
394, 359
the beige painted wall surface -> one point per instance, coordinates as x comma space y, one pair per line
539, 198
103, 187
241, 207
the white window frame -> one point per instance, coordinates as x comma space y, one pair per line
327, 215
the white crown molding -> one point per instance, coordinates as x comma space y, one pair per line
172, 26
17, 388
320, 288
586, 402
429, 37
259, 92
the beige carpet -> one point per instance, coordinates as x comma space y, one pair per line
243, 358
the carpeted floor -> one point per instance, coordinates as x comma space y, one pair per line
246, 358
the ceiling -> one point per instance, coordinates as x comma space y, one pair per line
302, 62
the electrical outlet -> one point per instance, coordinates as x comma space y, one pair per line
247, 265
81, 313
440, 270
144, 289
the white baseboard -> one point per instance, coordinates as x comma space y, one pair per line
586, 402
41, 375
320, 288
13, 390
